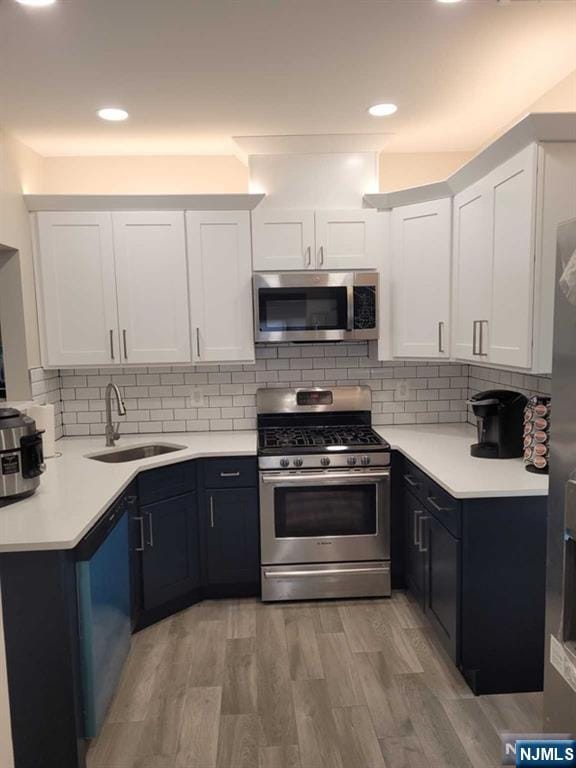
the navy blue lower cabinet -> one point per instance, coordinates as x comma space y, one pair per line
230, 542
170, 556
442, 591
414, 557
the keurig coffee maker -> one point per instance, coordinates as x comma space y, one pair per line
500, 415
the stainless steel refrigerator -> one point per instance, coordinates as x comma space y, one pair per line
560, 674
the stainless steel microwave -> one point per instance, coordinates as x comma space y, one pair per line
315, 306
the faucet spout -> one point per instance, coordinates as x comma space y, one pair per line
111, 430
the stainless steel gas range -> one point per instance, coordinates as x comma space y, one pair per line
324, 495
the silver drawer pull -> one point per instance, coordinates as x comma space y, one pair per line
422, 520
432, 501
211, 512
410, 480
141, 523
327, 572
150, 530
229, 474
417, 515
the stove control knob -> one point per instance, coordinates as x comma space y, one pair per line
298, 462
365, 460
351, 461
284, 463
325, 461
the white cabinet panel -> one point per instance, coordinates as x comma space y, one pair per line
151, 272
421, 245
282, 239
349, 239
220, 273
513, 191
76, 289
472, 270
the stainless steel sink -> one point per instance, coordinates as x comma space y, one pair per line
120, 455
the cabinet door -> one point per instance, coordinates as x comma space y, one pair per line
76, 289
442, 581
220, 275
513, 203
151, 272
232, 536
282, 239
472, 270
170, 560
414, 557
349, 239
421, 244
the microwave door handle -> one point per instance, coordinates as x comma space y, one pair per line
350, 297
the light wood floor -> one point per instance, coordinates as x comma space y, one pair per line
356, 684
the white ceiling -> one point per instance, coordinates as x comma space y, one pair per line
194, 73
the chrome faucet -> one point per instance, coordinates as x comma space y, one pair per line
111, 431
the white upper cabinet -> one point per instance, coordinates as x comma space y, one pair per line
298, 240
421, 256
150, 251
76, 289
348, 239
282, 239
494, 257
472, 270
220, 274
513, 198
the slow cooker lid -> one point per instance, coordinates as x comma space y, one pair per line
11, 418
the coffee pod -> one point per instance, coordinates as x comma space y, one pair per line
528, 429
540, 449
540, 462
540, 437
541, 410
541, 424
528, 413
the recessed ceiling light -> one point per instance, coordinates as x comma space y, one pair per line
36, 3
449, 1
382, 110
113, 113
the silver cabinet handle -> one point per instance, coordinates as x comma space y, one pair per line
421, 522
125, 344
474, 326
481, 352
417, 515
308, 255
229, 474
198, 342
211, 512
150, 530
321, 255
111, 344
141, 524
441, 337
433, 503
410, 480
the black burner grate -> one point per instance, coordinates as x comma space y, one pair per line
318, 437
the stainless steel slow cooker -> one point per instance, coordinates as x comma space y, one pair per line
21, 456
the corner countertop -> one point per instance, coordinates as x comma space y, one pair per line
75, 491
443, 452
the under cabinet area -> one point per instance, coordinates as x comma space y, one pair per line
323, 239
465, 569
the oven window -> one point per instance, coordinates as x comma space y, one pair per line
333, 510
303, 309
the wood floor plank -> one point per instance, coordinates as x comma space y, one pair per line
439, 740
357, 740
240, 685
241, 620
280, 757
198, 742
162, 725
275, 705
317, 732
133, 696
404, 752
117, 746
343, 684
409, 615
383, 695
359, 629
207, 654
238, 741
511, 713
303, 651
475, 731
440, 673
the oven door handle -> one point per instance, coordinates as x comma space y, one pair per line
325, 572
304, 479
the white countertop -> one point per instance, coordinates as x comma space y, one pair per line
75, 491
443, 452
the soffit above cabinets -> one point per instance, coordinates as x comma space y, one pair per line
233, 202
536, 127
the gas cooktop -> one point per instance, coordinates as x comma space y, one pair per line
318, 439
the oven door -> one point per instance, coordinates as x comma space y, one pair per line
310, 306
323, 517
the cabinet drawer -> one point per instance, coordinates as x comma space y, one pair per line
445, 508
235, 472
165, 482
415, 481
